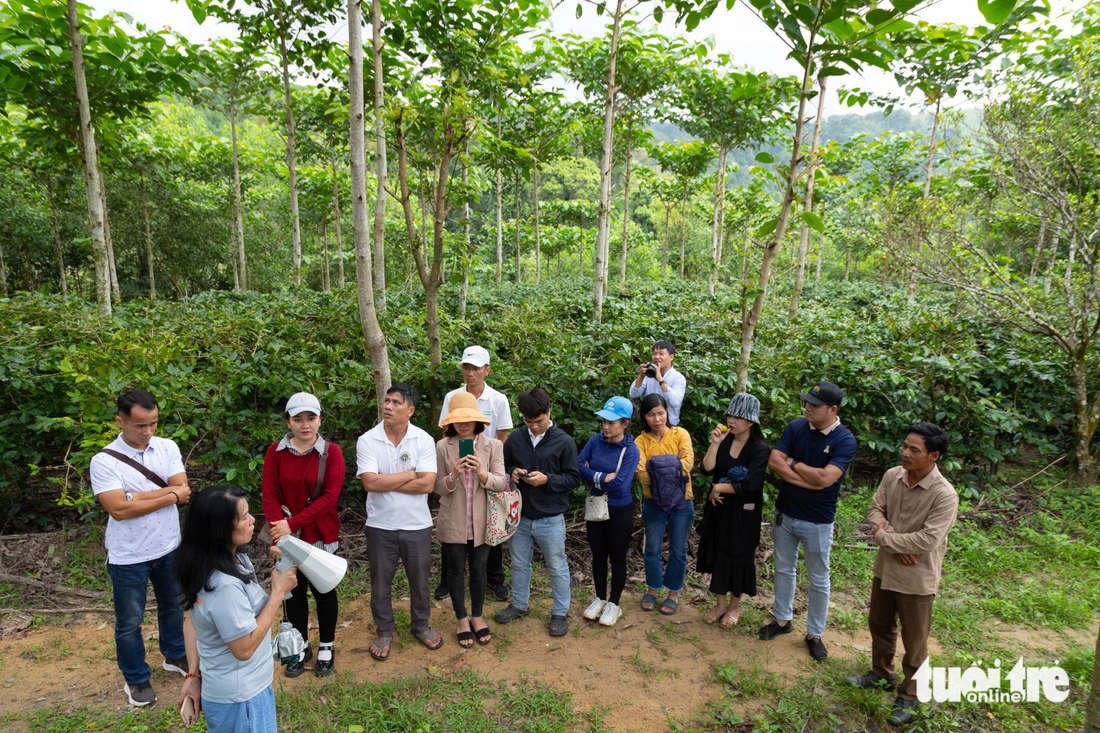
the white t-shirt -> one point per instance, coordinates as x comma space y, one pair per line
141, 539
374, 453
491, 404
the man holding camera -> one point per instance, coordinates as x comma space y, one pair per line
493, 405
139, 479
658, 376
542, 463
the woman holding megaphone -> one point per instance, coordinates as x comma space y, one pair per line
303, 475
227, 626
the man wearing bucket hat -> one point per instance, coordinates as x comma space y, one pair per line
811, 458
494, 406
729, 534
607, 464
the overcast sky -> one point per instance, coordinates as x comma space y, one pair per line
737, 32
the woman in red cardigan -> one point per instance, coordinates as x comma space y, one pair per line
290, 476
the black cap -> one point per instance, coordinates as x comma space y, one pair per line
823, 393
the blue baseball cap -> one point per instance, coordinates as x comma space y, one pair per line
616, 408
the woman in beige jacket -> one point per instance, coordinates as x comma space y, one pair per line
461, 484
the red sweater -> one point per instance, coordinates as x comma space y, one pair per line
289, 479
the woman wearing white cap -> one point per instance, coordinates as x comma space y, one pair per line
730, 531
299, 497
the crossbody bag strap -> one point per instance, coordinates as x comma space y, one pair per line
320, 475
620, 463
137, 467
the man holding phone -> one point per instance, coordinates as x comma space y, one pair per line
493, 405
658, 376
542, 463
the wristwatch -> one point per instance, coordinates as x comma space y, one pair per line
793, 462
129, 496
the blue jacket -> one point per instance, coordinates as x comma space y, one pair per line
599, 459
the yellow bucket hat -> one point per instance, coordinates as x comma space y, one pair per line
463, 409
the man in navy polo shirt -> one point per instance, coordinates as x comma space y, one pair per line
811, 458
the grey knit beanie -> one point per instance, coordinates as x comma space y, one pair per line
744, 406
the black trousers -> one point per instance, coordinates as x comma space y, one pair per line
494, 567
456, 555
610, 540
297, 610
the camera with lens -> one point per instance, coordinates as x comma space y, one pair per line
651, 370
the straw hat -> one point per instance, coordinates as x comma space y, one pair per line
463, 409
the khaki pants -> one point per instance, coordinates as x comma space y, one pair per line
915, 614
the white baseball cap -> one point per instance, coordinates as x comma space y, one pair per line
475, 355
303, 402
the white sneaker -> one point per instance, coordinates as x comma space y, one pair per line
595, 609
611, 614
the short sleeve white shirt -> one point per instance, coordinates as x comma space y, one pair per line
492, 404
141, 539
374, 453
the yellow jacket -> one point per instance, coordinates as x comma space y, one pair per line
675, 442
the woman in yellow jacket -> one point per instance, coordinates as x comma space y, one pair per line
658, 439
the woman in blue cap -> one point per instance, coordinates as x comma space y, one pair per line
607, 465
730, 530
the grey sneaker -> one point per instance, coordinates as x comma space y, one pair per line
140, 695
904, 711
510, 614
559, 626
870, 680
175, 665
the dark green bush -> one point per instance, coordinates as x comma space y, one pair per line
221, 362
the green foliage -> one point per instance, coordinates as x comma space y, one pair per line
221, 362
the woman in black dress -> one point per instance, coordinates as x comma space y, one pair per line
730, 531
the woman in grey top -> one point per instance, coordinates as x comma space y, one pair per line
227, 624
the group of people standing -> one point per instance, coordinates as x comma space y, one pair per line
213, 616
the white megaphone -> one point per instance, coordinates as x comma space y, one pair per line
323, 569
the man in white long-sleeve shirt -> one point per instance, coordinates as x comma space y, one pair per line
666, 381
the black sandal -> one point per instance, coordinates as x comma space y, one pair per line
464, 636
484, 636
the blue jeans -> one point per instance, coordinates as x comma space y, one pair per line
251, 716
679, 527
129, 584
816, 540
549, 533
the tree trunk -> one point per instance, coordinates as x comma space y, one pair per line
233, 253
538, 243
292, 174
336, 220
664, 243
519, 259
1092, 706
241, 254
748, 326
368, 316
807, 206
381, 173
149, 238
820, 250
500, 209
326, 283
464, 288
1038, 259
57, 238
683, 230
3, 272
716, 223
112, 268
626, 197
927, 191
847, 262
603, 223
1086, 465
92, 183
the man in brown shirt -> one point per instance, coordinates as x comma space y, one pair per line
912, 513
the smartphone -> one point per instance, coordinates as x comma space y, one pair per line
465, 447
187, 712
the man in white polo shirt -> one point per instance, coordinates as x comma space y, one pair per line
493, 405
396, 463
139, 479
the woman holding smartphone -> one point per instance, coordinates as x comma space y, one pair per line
470, 463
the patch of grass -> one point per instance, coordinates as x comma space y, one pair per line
85, 566
846, 620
